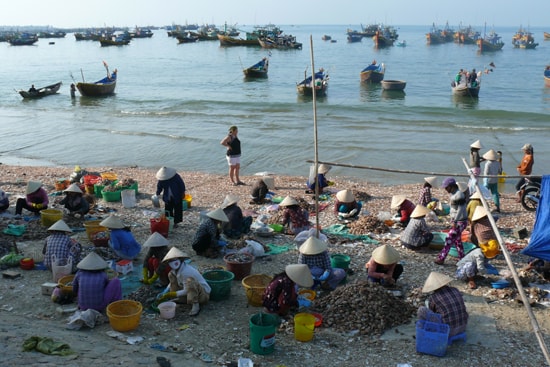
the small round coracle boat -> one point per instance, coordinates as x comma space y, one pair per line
393, 84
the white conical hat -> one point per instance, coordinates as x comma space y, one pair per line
345, 196
73, 188
92, 261
299, 274
218, 214
165, 173
397, 200
479, 213
230, 200
288, 201
435, 281
324, 168
313, 246
476, 144
112, 221
420, 211
175, 253
156, 240
269, 181
385, 255
60, 226
475, 195
431, 180
491, 155
32, 186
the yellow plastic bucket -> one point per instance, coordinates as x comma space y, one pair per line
304, 325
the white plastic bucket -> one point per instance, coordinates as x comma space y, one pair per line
128, 198
167, 310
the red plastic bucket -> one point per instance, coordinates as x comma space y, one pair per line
160, 225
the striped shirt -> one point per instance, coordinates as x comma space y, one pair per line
448, 302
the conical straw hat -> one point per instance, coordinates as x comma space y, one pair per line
73, 188
300, 274
175, 253
165, 173
60, 226
475, 195
313, 246
397, 200
345, 196
476, 144
479, 213
385, 255
420, 211
491, 155
269, 181
230, 200
431, 180
92, 262
218, 214
324, 168
288, 201
156, 240
32, 186
435, 281
112, 221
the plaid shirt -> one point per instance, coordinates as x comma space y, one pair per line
448, 302
482, 231
63, 247
320, 261
416, 233
90, 288
425, 196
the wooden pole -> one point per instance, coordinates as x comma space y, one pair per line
316, 151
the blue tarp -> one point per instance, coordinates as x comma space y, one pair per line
539, 244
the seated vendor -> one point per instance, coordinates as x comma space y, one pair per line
345, 205
61, 247
260, 189
295, 218
35, 200
281, 294
321, 179
403, 208
314, 253
153, 267
417, 234
237, 224
74, 201
383, 267
121, 239
207, 240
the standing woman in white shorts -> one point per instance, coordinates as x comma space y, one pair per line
233, 145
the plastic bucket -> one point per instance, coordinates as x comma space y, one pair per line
128, 198
220, 282
160, 225
239, 264
304, 325
167, 310
49, 216
340, 261
262, 332
189, 199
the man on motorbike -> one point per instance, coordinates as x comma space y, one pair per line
525, 167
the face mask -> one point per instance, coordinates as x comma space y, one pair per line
175, 264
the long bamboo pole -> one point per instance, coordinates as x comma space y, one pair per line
316, 150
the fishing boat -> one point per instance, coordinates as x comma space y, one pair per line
326, 37
23, 39
393, 84
282, 42
40, 92
490, 43
186, 38
467, 36
115, 40
466, 89
385, 37
547, 76
546, 36
374, 73
320, 84
524, 39
103, 87
233, 41
352, 38
258, 70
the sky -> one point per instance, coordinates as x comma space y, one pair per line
128, 13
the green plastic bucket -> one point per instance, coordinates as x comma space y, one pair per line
220, 282
340, 261
262, 332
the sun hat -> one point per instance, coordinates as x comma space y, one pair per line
324, 168
491, 155
288, 201
385, 255
230, 200
269, 181
218, 214
448, 182
32, 186
92, 261
156, 240
299, 274
73, 188
313, 246
60, 226
479, 213
431, 180
527, 146
420, 211
165, 173
476, 195
462, 186
490, 249
175, 253
112, 221
435, 281
345, 196
397, 200
476, 144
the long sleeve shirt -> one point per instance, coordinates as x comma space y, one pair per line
172, 189
40, 196
526, 165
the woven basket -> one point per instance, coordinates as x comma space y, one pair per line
254, 286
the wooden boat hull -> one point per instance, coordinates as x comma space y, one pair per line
232, 41
103, 87
465, 91
372, 76
41, 92
258, 70
485, 46
393, 84
109, 42
546, 36
307, 91
266, 43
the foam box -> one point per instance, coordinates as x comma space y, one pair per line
124, 267
47, 288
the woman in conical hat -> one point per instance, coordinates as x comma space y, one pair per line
403, 208
61, 247
35, 200
425, 195
295, 218
313, 253
417, 234
322, 171
121, 239
280, 296
93, 287
153, 267
172, 187
207, 240
473, 203
475, 159
237, 223
446, 301
493, 169
383, 267
345, 205
74, 201
482, 230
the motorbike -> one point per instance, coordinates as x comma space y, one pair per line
530, 193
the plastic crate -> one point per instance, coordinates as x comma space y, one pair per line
431, 338
111, 195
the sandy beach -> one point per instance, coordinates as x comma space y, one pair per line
499, 331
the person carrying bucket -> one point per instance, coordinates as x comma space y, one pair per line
281, 294
313, 253
153, 267
172, 187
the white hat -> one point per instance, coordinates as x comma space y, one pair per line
269, 182
156, 240
527, 147
476, 144
345, 196
112, 221
420, 211
299, 274
476, 195
435, 281
491, 155
230, 200
324, 168
92, 261
288, 201
165, 173
479, 213
385, 255
60, 226
73, 188
175, 253
313, 246
218, 214
32, 186
431, 180
397, 200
